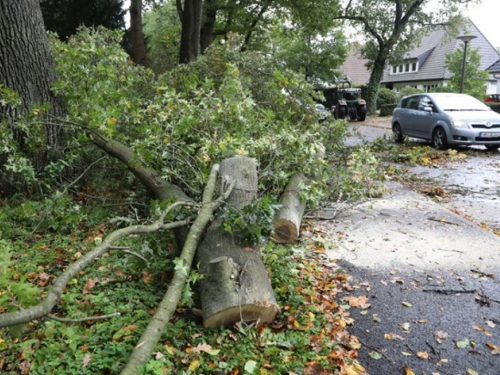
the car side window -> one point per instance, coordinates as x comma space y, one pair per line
424, 102
410, 102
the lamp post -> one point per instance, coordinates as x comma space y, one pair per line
466, 39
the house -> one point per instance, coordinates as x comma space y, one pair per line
495, 71
355, 68
424, 67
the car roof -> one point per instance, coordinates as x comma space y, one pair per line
440, 95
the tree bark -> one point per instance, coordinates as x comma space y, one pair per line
235, 286
152, 334
289, 217
190, 34
136, 35
207, 30
27, 66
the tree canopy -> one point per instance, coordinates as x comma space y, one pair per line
474, 78
64, 17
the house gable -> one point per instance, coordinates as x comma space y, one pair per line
431, 55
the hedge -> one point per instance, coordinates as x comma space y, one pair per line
386, 109
494, 106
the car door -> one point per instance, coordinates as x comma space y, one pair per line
424, 117
408, 115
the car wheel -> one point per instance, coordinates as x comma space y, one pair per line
398, 133
439, 139
492, 147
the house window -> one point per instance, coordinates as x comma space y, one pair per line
428, 88
408, 67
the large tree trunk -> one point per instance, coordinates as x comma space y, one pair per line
289, 217
27, 66
207, 31
191, 25
236, 286
136, 35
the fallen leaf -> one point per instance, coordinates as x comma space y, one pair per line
405, 326
89, 285
423, 355
159, 355
406, 304
375, 355
440, 336
406, 354
494, 348
250, 366
462, 344
393, 336
398, 280
408, 371
205, 348
194, 365
490, 324
472, 372
86, 359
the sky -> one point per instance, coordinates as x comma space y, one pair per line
486, 18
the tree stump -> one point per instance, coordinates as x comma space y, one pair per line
289, 217
235, 286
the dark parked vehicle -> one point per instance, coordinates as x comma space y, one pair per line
493, 98
446, 119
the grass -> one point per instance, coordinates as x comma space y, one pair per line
308, 335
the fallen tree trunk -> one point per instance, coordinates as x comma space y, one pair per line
151, 335
289, 217
235, 286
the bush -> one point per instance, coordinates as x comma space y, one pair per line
410, 91
386, 96
386, 109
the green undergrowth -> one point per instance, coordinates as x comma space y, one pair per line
308, 334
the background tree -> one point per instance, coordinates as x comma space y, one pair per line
474, 79
190, 15
392, 27
316, 56
65, 16
139, 52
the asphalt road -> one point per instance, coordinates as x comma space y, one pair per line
424, 281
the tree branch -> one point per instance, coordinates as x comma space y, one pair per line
46, 306
166, 309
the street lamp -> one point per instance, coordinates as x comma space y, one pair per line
466, 39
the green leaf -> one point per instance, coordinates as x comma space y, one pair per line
181, 267
375, 355
250, 366
462, 344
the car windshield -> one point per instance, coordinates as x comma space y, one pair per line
459, 103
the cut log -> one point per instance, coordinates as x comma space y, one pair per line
235, 286
289, 217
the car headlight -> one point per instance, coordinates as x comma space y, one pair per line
459, 124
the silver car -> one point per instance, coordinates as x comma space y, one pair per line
446, 119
